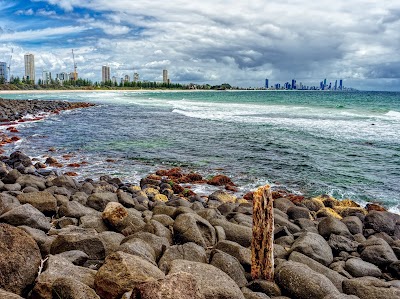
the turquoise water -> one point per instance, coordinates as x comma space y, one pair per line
339, 143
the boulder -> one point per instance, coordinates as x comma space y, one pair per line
283, 204
7, 295
230, 265
378, 252
189, 251
77, 257
58, 267
242, 254
99, 200
341, 243
44, 201
94, 221
190, 227
340, 296
331, 225
68, 287
86, 241
359, 268
354, 224
41, 238
249, 294
26, 215
282, 221
7, 202
300, 282
111, 241
222, 197
370, 288
158, 244
332, 275
29, 180
121, 272
313, 204
115, 215
75, 209
313, 246
63, 181
269, 288
180, 285
235, 232
213, 283
380, 221
140, 248
19, 259
298, 213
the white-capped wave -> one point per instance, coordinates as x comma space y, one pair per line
393, 114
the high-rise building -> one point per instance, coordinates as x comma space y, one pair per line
114, 80
293, 83
62, 77
29, 67
165, 76
324, 83
46, 77
127, 78
3, 71
335, 84
341, 84
266, 84
105, 73
136, 77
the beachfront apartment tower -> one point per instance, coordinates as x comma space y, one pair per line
266, 84
3, 71
46, 77
105, 73
29, 67
341, 84
165, 76
136, 77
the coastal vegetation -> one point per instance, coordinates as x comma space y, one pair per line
85, 84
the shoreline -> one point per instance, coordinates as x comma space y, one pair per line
108, 239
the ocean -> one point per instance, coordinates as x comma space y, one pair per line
345, 144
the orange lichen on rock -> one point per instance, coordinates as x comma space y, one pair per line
220, 180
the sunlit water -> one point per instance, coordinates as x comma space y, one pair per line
343, 144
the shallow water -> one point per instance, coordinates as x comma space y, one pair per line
339, 143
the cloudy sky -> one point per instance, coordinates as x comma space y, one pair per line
208, 41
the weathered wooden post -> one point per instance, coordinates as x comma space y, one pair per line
262, 244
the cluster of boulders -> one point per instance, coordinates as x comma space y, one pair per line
12, 110
60, 238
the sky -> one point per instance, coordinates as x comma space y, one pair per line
208, 41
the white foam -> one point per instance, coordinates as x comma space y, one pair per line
393, 114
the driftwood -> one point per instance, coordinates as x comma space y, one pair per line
262, 244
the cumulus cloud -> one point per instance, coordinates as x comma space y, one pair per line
239, 42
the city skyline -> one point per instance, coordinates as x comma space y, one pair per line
353, 40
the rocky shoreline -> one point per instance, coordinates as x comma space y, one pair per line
63, 238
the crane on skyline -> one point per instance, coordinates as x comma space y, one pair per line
75, 74
9, 65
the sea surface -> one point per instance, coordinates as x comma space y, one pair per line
346, 144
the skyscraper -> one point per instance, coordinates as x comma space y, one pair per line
3, 71
335, 84
46, 77
266, 83
341, 84
135, 77
30, 67
105, 73
293, 83
165, 76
